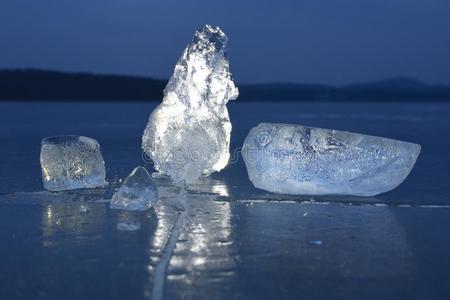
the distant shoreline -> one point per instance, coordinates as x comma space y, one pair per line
31, 85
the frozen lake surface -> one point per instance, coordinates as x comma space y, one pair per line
222, 238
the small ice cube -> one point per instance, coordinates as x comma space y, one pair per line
296, 159
138, 192
71, 162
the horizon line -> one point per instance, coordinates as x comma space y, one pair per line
93, 73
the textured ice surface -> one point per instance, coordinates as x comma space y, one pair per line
138, 192
188, 134
295, 159
71, 162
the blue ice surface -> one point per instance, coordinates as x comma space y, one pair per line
222, 238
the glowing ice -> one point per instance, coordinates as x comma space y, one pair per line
138, 192
188, 134
295, 159
71, 162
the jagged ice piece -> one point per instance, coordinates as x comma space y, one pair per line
138, 192
188, 134
296, 159
71, 162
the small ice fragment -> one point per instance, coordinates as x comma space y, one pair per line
138, 192
83, 209
188, 134
316, 242
129, 226
305, 214
71, 162
296, 159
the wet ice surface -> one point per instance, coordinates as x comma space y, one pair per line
221, 238
195, 245
302, 160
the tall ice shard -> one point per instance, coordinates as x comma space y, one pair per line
188, 134
296, 159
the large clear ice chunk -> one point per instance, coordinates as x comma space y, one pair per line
188, 134
296, 159
71, 162
138, 192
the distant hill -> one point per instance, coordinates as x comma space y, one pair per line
51, 85
58, 86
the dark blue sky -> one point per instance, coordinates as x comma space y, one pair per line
323, 41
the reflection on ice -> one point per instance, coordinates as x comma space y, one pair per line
207, 234
128, 221
195, 229
210, 186
129, 225
62, 220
